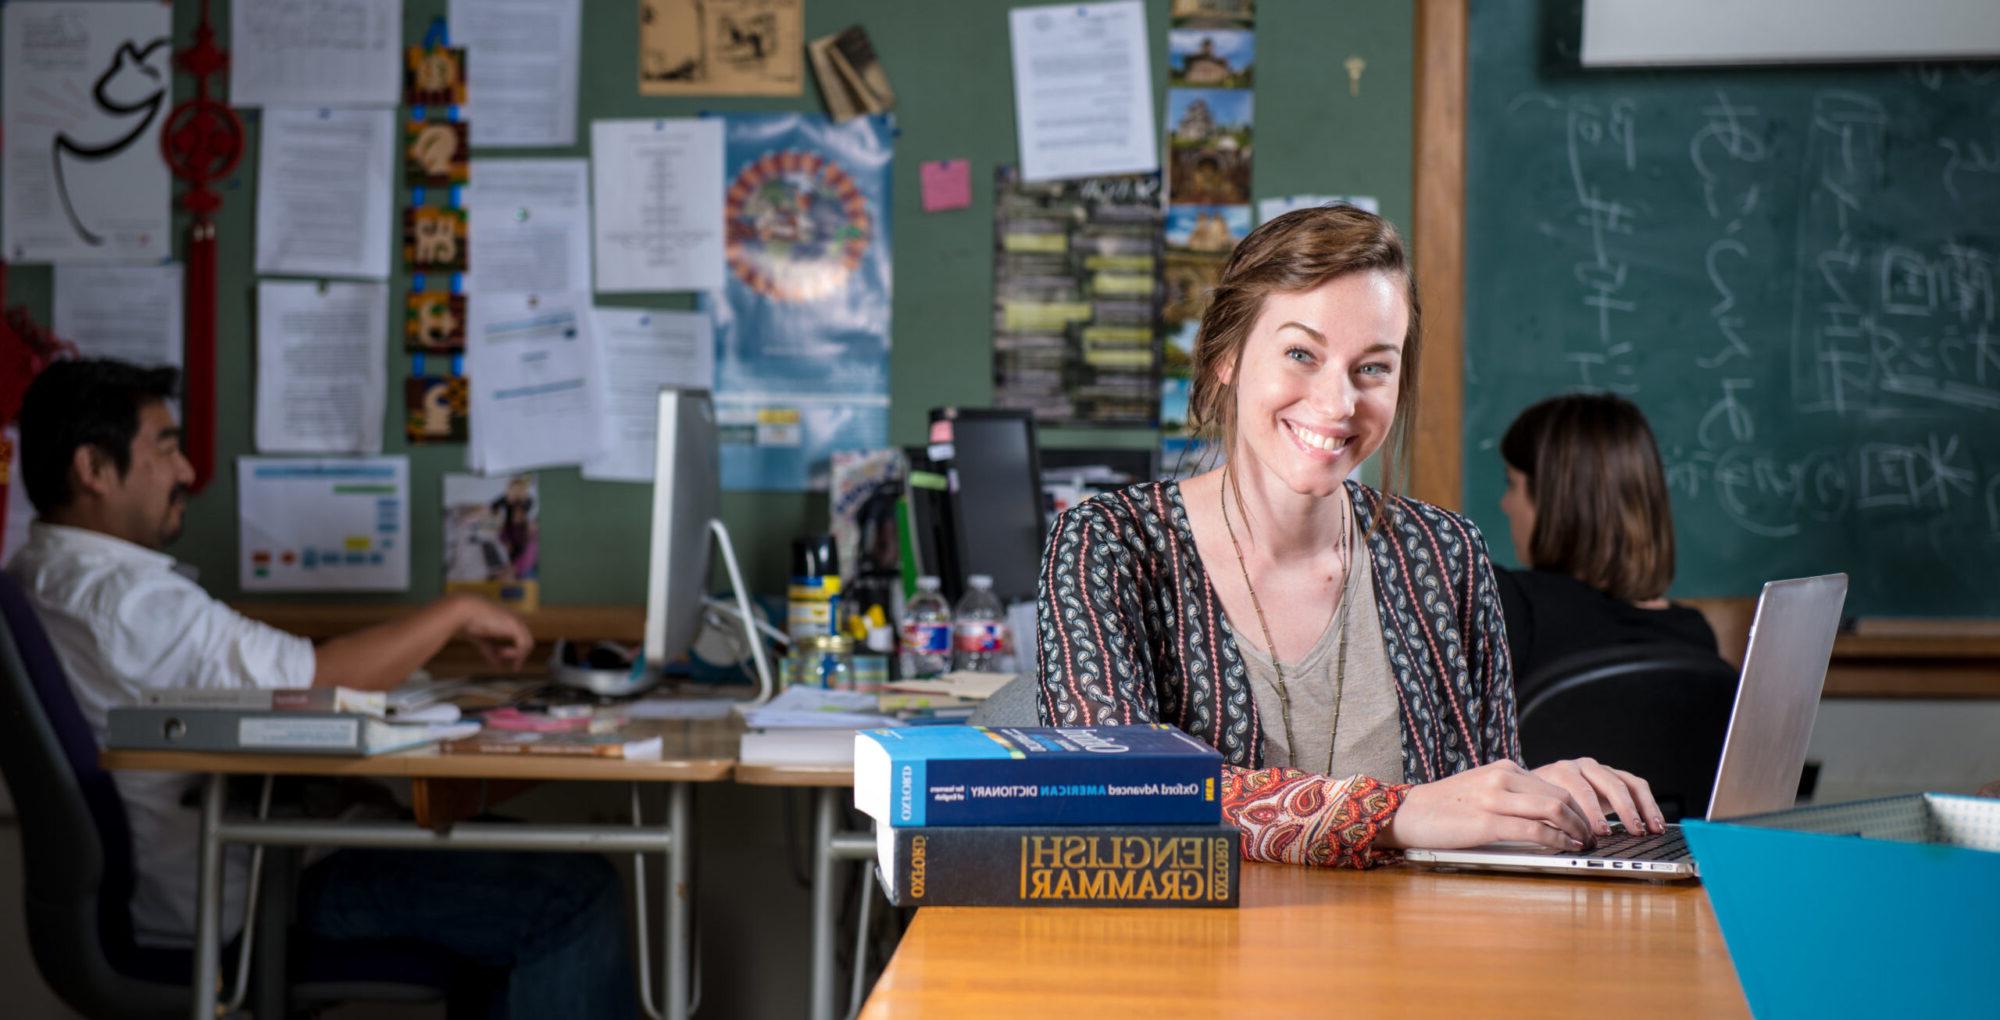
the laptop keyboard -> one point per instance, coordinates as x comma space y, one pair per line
1624, 846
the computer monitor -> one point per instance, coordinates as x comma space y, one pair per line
996, 524
687, 502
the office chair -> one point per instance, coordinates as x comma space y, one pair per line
76, 848
1657, 711
1014, 704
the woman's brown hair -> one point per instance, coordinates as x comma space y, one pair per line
1299, 251
1602, 514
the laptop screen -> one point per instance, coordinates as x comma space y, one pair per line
1784, 670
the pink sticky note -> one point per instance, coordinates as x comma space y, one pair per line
947, 184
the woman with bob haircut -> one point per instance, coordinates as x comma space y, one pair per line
1593, 529
1357, 710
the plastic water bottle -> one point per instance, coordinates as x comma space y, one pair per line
981, 631
926, 632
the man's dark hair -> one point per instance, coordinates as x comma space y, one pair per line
84, 402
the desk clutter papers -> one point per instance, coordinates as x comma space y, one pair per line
83, 180
521, 69
537, 396
322, 351
949, 698
294, 53
325, 190
802, 707
631, 743
323, 525
681, 708
962, 683
132, 313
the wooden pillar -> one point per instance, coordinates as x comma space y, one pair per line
1438, 246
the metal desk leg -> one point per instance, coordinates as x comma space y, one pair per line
677, 899
208, 896
826, 809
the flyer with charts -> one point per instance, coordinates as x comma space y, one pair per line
493, 537
328, 524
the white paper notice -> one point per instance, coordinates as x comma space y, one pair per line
535, 382
132, 313
325, 192
316, 53
642, 350
321, 380
86, 87
659, 204
1272, 208
520, 66
1083, 90
324, 525
530, 224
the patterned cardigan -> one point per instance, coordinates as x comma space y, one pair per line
1129, 632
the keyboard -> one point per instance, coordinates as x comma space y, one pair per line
1625, 846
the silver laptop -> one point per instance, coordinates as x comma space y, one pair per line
1791, 641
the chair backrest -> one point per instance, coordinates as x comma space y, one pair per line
1012, 705
1658, 711
75, 841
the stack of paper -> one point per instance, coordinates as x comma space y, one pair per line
817, 708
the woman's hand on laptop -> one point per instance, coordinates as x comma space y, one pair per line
1604, 790
1489, 804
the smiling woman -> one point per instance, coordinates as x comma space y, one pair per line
1342, 646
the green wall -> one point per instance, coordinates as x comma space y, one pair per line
949, 63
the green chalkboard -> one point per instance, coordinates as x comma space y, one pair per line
949, 63
1792, 271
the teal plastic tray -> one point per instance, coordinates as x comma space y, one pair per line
1877, 908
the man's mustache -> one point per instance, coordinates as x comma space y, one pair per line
179, 495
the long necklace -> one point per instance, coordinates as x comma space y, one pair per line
1341, 611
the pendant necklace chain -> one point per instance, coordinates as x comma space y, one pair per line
1341, 611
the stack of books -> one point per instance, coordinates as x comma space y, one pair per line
316, 720
1047, 816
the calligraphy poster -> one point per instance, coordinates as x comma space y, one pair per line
1076, 298
721, 47
802, 328
87, 87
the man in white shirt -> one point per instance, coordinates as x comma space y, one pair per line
102, 464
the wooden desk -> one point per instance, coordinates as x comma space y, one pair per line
1395, 941
692, 751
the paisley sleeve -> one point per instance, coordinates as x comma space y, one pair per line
1293, 817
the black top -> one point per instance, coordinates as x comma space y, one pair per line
1551, 617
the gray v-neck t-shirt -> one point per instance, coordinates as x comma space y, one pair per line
1371, 729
